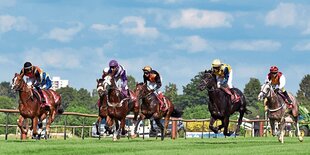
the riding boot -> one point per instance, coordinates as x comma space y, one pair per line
227, 90
42, 96
288, 99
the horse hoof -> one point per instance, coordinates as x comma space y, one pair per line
114, 139
134, 136
300, 139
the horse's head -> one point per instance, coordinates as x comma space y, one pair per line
17, 82
141, 90
207, 81
103, 85
265, 91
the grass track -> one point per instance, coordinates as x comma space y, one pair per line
221, 146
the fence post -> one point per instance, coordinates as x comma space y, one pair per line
83, 128
143, 127
6, 126
203, 128
65, 132
185, 129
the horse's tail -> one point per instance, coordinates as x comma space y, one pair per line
176, 113
60, 110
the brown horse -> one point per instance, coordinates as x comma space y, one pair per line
150, 108
31, 107
117, 105
277, 110
220, 105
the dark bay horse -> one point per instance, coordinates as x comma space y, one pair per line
115, 105
150, 108
220, 104
31, 107
277, 110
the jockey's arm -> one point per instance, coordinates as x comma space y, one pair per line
226, 75
282, 82
158, 82
124, 79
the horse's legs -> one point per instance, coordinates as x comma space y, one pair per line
34, 126
161, 127
272, 125
225, 122
123, 126
98, 123
296, 124
214, 129
166, 124
282, 132
241, 113
20, 124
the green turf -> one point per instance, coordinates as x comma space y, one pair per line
221, 146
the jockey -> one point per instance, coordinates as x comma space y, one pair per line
119, 73
224, 75
155, 83
37, 78
277, 80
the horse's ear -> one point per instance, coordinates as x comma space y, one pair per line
97, 80
16, 74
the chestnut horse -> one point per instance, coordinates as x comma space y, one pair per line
220, 104
150, 108
277, 110
31, 107
115, 106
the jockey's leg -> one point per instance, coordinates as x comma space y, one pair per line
289, 101
227, 90
41, 94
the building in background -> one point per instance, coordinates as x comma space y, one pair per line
58, 83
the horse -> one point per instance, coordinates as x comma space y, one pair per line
278, 110
150, 108
31, 107
115, 105
220, 105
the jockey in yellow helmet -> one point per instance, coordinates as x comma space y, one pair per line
224, 75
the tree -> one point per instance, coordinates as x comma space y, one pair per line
192, 95
196, 112
5, 90
131, 82
251, 91
171, 92
303, 94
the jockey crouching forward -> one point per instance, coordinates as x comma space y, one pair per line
118, 72
153, 81
277, 80
35, 77
224, 75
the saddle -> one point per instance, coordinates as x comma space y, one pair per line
162, 102
38, 96
284, 98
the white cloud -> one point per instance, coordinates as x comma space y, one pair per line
4, 60
193, 18
7, 3
136, 26
102, 27
9, 23
194, 44
283, 15
64, 35
256, 45
65, 58
304, 46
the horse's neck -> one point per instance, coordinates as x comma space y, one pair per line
24, 93
149, 98
273, 99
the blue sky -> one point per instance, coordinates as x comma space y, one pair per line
76, 39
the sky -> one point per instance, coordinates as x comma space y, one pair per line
179, 38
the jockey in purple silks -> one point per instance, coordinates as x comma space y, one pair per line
119, 73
